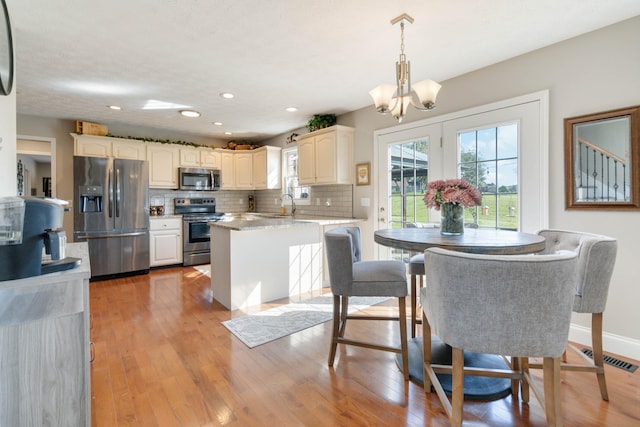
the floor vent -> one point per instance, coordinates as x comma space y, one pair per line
629, 367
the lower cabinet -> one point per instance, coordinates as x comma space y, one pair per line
166, 241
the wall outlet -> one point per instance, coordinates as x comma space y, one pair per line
317, 202
240, 201
364, 201
328, 203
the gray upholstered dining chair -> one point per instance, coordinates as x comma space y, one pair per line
416, 272
511, 305
350, 276
596, 258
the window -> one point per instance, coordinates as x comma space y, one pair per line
301, 194
408, 182
489, 160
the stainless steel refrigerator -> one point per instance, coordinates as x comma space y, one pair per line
111, 213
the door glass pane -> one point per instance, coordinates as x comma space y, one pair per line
489, 160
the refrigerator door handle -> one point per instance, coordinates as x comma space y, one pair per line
110, 189
83, 236
117, 193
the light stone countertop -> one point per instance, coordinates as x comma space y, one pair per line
249, 221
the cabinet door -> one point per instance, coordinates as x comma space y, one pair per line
306, 162
243, 163
92, 146
163, 166
166, 248
129, 150
260, 169
227, 174
189, 157
325, 160
210, 159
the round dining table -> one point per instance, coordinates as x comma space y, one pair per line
473, 240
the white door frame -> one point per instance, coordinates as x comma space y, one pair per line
52, 145
382, 136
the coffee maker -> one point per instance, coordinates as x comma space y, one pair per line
27, 225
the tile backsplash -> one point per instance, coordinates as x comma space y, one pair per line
324, 200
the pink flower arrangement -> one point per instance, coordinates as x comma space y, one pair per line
456, 191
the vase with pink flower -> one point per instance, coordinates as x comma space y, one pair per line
450, 197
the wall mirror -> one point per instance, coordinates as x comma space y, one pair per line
602, 160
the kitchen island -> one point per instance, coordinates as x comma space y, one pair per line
260, 258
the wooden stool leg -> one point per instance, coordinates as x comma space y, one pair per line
457, 383
336, 329
404, 349
551, 375
598, 355
414, 305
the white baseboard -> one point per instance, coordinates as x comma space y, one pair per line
611, 343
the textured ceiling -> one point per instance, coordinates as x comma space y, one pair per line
75, 57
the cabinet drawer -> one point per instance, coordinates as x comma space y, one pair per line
165, 224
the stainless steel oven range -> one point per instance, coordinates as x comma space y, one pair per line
196, 213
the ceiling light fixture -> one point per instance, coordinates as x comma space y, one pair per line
114, 107
291, 109
227, 95
228, 133
189, 113
217, 123
395, 99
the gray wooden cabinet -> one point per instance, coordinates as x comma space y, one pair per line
45, 348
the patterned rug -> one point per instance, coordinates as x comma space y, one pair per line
260, 328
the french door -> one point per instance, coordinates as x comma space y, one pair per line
514, 179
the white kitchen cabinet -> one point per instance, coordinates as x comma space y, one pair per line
326, 156
199, 158
210, 158
267, 168
243, 170
104, 146
165, 237
227, 171
189, 157
163, 165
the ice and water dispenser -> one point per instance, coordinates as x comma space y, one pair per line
90, 198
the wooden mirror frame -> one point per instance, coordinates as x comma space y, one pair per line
574, 142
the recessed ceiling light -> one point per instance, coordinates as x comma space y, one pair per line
227, 95
217, 123
291, 109
189, 113
228, 133
114, 107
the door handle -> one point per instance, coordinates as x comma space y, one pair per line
117, 193
110, 186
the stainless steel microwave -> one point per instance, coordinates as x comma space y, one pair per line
199, 179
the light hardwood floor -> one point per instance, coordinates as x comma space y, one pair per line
162, 358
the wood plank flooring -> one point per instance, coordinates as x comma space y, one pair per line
162, 358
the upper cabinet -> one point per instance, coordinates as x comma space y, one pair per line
257, 169
326, 156
199, 158
164, 160
227, 171
267, 168
103, 146
243, 170
210, 158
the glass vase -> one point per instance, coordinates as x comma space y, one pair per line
452, 219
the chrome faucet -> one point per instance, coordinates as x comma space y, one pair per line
293, 203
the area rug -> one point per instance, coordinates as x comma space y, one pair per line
260, 328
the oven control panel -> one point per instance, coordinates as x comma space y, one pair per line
195, 202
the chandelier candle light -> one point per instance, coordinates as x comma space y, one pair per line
395, 99
451, 196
